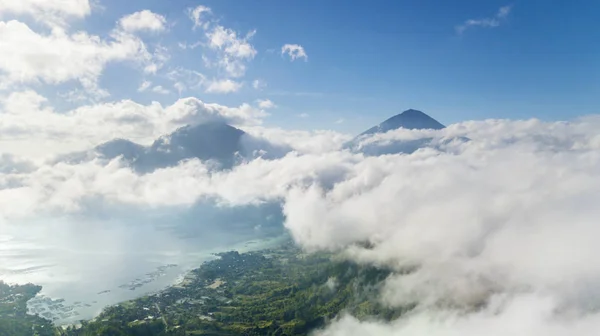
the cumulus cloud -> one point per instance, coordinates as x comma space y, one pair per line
231, 50
294, 51
143, 21
58, 57
491, 22
49, 12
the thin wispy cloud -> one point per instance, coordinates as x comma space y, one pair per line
161, 90
490, 22
144, 86
196, 15
265, 103
223, 86
259, 84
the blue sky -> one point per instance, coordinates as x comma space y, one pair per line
370, 60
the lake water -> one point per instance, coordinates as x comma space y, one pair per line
85, 266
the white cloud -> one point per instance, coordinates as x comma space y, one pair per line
492, 22
234, 51
161, 90
231, 51
196, 16
223, 86
159, 58
143, 21
144, 86
186, 79
49, 12
523, 316
55, 58
295, 51
340, 121
504, 11
64, 187
180, 87
500, 226
265, 104
29, 127
259, 84
303, 115
228, 40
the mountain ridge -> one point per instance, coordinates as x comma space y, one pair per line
224, 146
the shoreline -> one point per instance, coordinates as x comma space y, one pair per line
73, 309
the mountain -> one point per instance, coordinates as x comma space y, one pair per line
214, 141
223, 146
120, 147
219, 143
409, 119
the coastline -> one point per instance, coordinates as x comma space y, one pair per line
64, 314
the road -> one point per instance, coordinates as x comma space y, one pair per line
162, 317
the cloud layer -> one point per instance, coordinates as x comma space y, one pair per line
29, 126
505, 221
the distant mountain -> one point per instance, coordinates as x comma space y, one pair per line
409, 119
223, 146
216, 142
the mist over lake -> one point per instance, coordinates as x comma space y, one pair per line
93, 262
